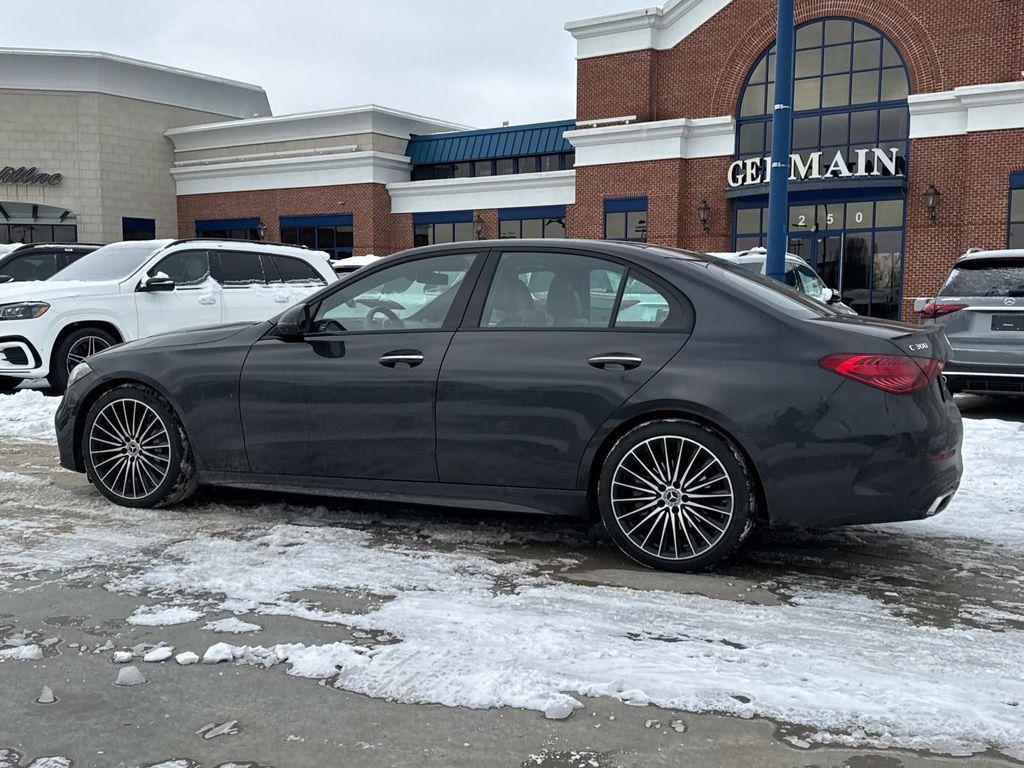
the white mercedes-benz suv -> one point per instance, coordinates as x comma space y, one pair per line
134, 289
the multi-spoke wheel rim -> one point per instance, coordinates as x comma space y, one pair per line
130, 449
672, 497
87, 346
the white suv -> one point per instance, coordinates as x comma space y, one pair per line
135, 289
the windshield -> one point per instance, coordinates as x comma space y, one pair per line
769, 292
111, 262
986, 277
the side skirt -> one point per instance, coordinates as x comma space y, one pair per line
544, 501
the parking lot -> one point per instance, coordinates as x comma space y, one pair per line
378, 635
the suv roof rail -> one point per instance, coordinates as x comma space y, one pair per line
232, 240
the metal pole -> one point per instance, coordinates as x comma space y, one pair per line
782, 129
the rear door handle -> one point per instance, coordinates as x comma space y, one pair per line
207, 300
615, 360
409, 357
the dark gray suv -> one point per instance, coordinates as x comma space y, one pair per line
980, 307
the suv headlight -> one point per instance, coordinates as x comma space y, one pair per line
25, 310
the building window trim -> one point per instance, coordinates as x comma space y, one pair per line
627, 205
425, 227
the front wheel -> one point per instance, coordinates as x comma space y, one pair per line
75, 348
136, 452
675, 496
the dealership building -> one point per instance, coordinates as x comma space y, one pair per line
908, 147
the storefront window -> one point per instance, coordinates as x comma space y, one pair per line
330, 233
536, 222
626, 219
1015, 233
229, 229
450, 227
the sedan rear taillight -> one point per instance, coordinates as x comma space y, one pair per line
898, 374
932, 310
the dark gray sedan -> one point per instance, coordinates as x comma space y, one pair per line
680, 398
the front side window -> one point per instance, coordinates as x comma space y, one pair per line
30, 266
551, 290
415, 295
185, 268
241, 268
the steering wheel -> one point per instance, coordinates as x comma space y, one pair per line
393, 320
331, 325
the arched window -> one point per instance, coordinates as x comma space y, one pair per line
849, 92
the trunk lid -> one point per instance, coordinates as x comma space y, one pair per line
913, 340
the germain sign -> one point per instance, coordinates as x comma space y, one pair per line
868, 162
29, 175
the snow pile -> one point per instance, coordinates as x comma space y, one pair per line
28, 415
163, 615
233, 625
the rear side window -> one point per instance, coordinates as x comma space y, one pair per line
31, 266
294, 270
185, 268
986, 277
643, 306
240, 268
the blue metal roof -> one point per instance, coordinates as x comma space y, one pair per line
507, 141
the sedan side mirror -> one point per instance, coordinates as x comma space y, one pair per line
293, 323
157, 282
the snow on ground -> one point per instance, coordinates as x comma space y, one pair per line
28, 415
454, 619
164, 616
233, 625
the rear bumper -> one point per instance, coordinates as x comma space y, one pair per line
867, 457
985, 378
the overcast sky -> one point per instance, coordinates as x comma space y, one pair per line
477, 62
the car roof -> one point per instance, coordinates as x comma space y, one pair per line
641, 252
49, 246
261, 246
1004, 253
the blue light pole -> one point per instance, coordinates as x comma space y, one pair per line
782, 129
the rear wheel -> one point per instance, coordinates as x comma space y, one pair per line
675, 496
74, 349
9, 383
136, 452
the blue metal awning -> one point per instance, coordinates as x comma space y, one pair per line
507, 141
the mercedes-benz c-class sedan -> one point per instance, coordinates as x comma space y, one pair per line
678, 397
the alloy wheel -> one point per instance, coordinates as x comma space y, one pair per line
672, 497
129, 448
87, 346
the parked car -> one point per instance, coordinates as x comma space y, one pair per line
350, 264
799, 276
134, 289
980, 307
40, 261
739, 401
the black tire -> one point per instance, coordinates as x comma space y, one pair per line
702, 533
67, 353
9, 383
162, 472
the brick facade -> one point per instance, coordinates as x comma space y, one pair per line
374, 228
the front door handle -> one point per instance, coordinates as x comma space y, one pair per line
208, 300
409, 357
615, 361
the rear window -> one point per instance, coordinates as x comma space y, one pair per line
986, 277
296, 271
768, 291
239, 268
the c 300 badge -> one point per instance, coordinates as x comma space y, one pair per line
918, 347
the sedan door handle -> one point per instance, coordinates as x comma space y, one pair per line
615, 360
208, 300
409, 357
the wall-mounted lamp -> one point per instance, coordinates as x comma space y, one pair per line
931, 200
261, 230
478, 226
703, 215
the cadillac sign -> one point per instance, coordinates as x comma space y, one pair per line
22, 175
868, 162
